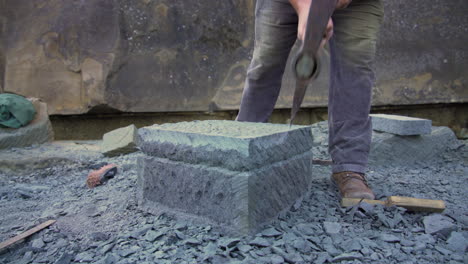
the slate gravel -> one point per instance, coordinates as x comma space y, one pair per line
105, 225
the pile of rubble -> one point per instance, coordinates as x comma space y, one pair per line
106, 224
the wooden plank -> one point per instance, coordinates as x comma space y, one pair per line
26, 234
415, 204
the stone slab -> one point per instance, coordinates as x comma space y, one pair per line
401, 125
239, 201
23, 161
457, 243
237, 146
38, 131
437, 224
120, 141
396, 150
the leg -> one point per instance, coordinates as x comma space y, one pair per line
352, 52
275, 34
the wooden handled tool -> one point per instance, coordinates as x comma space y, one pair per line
24, 235
412, 204
305, 63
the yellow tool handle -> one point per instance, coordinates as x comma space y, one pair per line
415, 204
411, 204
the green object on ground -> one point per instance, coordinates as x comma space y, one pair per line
15, 111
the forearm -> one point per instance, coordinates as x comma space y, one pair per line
302, 8
300, 5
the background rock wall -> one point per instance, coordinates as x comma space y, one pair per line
161, 55
2, 42
423, 53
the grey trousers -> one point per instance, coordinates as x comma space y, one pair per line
352, 49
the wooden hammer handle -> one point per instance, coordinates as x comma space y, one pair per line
415, 204
411, 204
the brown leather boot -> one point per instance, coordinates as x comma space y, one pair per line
352, 185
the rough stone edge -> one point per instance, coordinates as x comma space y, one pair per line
239, 155
401, 127
261, 173
240, 222
157, 209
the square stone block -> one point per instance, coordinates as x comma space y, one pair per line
238, 174
401, 125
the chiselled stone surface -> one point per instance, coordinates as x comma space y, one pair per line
38, 131
238, 146
120, 141
220, 170
401, 125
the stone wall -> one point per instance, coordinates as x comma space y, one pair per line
423, 53
162, 56
2, 43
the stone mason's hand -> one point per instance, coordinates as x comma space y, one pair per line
302, 9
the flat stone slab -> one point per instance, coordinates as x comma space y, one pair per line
240, 175
401, 125
120, 141
238, 146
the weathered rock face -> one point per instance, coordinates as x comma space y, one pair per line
61, 51
138, 55
421, 55
162, 55
179, 53
2, 42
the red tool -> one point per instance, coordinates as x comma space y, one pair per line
100, 176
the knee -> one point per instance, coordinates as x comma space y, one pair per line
266, 63
359, 52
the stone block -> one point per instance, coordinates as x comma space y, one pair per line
401, 125
38, 131
238, 146
120, 141
396, 150
239, 175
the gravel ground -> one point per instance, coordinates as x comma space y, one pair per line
105, 225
